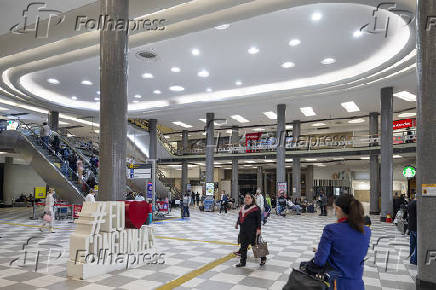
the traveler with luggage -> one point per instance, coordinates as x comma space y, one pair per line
185, 205
49, 212
249, 221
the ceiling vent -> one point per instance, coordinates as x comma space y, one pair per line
147, 55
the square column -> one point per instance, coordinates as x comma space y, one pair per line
296, 164
210, 147
235, 169
281, 150
185, 162
386, 177
374, 167
152, 130
53, 120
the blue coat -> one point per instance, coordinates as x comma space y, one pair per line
344, 248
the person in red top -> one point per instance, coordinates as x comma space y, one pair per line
250, 221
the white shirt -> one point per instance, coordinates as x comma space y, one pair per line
139, 197
259, 202
290, 203
45, 131
49, 202
90, 197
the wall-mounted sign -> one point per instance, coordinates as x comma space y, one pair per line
282, 188
405, 123
409, 171
210, 188
429, 190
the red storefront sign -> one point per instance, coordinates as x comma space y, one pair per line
251, 140
76, 209
405, 123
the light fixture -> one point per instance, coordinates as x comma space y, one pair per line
320, 165
181, 124
311, 159
357, 34
318, 124
356, 121
167, 137
222, 27
53, 81
250, 161
271, 115
239, 118
328, 60
74, 98
147, 76
397, 156
350, 107
98, 93
208, 90
137, 96
294, 42
406, 96
5, 109
364, 157
86, 82
203, 74
195, 51
97, 99
288, 160
238, 83
229, 131
253, 50
176, 69
157, 92
307, 111
406, 115
204, 133
288, 64
177, 88
258, 129
289, 127
97, 131
135, 101
316, 16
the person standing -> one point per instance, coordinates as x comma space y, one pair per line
49, 214
139, 197
80, 170
250, 222
260, 203
323, 204
185, 205
224, 202
197, 198
411, 213
90, 197
44, 133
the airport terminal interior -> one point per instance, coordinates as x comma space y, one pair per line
217, 144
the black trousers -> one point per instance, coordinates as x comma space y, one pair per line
246, 240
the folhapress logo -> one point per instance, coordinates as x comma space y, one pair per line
32, 20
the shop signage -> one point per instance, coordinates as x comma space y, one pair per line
102, 243
282, 188
251, 140
429, 190
210, 188
40, 192
405, 123
409, 171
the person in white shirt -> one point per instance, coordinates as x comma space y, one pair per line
293, 206
49, 210
139, 197
90, 196
260, 203
45, 133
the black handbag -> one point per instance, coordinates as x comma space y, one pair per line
300, 280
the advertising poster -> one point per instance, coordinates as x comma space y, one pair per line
210, 188
40, 192
282, 188
251, 140
150, 190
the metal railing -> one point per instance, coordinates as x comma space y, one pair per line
174, 191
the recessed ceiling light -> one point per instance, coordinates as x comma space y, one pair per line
364, 157
316, 16
311, 159
397, 156
307, 111
289, 127
86, 82
74, 97
271, 115
288, 64
356, 121
181, 124
357, 34
294, 42
253, 50
328, 60
350, 107
258, 129
136, 101
238, 83
167, 137
203, 74
157, 92
137, 96
177, 88
222, 27
406, 96
176, 69
96, 99
195, 51
147, 76
53, 81
98, 92
406, 115
240, 119
6, 109
318, 124
97, 131
208, 90
202, 120
229, 131
204, 133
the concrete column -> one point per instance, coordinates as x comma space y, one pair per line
53, 120
235, 168
210, 146
386, 152
184, 162
113, 104
296, 165
374, 167
426, 145
152, 130
259, 177
281, 150
289, 181
309, 183
265, 183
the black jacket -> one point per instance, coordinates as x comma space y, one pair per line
411, 210
249, 223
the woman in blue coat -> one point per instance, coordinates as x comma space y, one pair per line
343, 245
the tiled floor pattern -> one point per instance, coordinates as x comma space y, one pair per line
290, 239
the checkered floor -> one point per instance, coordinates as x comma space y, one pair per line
200, 240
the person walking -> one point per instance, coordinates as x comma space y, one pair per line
268, 207
411, 213
249, 221
323, 204
260, 202
49, 214
343, 246
197, 198
44, 133
224, 202
185, 205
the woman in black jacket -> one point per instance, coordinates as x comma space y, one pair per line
250, 222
